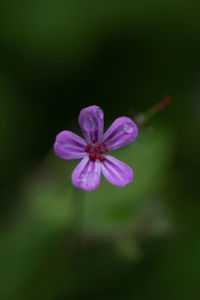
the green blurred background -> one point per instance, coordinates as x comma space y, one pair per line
137, 242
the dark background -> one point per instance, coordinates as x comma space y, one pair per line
137, 242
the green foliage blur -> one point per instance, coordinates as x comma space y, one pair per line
137, 242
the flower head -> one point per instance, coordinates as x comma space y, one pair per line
94, 147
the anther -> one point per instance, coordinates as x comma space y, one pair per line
94, 141
92, 156
105, 147
101, 158
88, 148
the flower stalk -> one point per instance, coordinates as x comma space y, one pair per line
142, 118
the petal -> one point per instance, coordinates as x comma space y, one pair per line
91, 120
87, 174
123, 131
116, 171
68, 145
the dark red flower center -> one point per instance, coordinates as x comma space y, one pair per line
96, 150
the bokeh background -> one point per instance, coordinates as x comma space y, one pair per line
137, 242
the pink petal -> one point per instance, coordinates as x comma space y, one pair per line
116, 171
91, 120
123, 131
87, 174
68, 145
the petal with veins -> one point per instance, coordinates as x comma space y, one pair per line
91, 120
68, 145
116, 171
87, 174
123, 131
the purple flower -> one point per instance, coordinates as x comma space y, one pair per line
93, 149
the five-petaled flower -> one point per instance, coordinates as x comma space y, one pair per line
93, 149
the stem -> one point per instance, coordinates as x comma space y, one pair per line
141, 119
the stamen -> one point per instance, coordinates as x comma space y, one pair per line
94, 141
96, 150
105, 147
101, 158
88, 148
92, 156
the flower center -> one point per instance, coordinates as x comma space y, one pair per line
96, 150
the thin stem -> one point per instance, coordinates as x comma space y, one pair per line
142, 118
